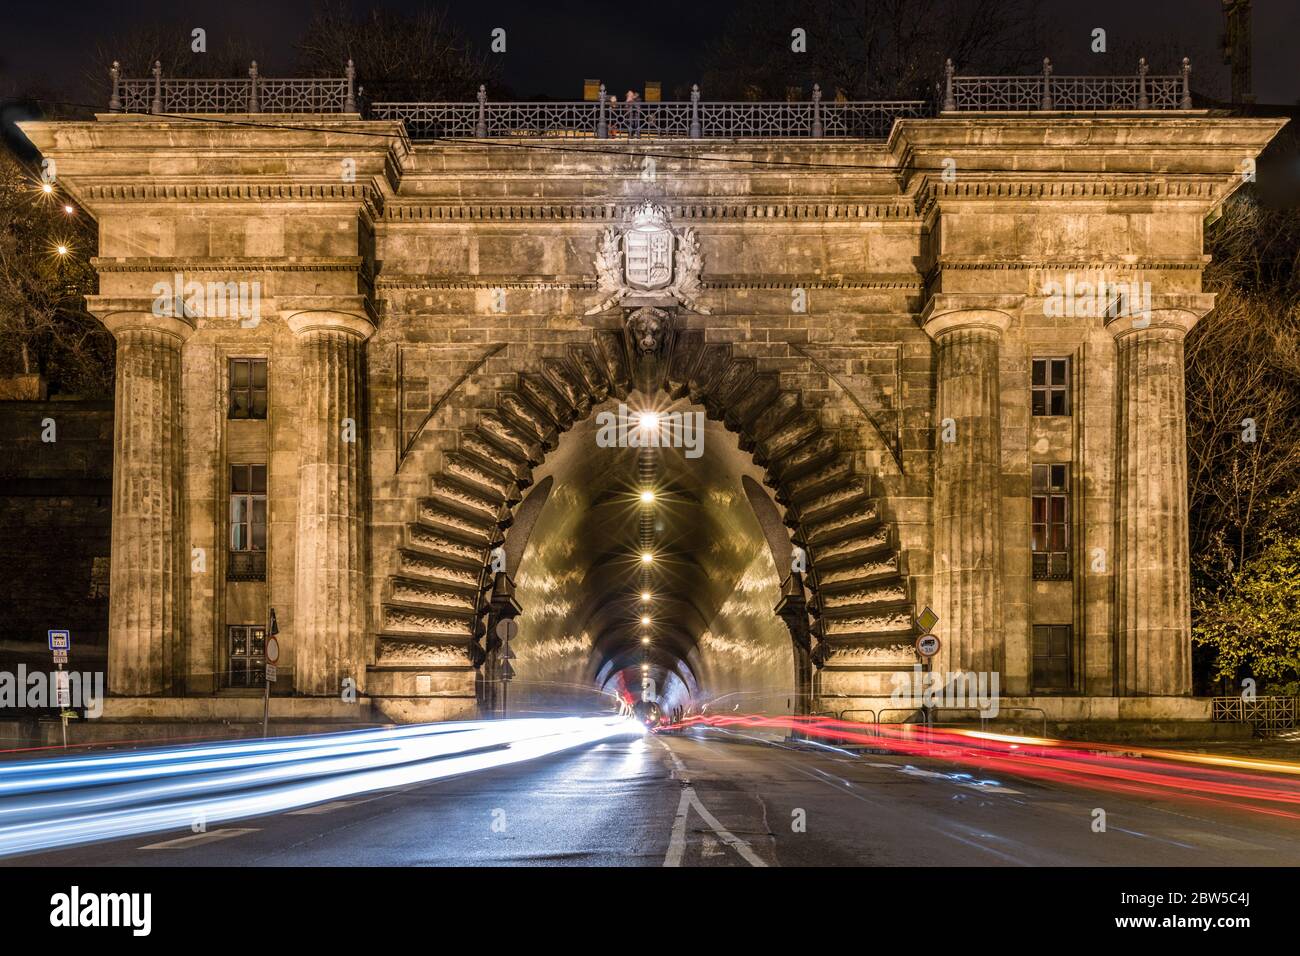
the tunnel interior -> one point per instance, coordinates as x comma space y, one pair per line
650, 573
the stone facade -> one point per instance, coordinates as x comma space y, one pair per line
866, 325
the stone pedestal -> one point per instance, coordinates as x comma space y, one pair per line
149, 568
1153, 625
329, 630
968, 479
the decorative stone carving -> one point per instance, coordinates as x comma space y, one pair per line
645, 256
648, 327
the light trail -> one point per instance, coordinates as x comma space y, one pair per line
55, 803
1257, 786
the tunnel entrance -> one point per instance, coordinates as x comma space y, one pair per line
651, 570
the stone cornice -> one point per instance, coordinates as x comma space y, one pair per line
719, 283
231, 192
1175, 312
1196, 263
403, 211
345, 313
230, 264
947, 311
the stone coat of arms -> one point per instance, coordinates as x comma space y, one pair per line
647, 258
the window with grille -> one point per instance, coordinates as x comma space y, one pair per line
247, 388
246, 558
1053, 657
246, 655
1050, 386
1050, 522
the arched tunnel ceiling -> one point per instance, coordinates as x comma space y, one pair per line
713, 582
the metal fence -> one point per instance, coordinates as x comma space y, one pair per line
604, 117
1267, 715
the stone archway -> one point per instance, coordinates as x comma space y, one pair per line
441, 601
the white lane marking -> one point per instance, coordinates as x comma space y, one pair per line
677, 842
198, 839
328, 807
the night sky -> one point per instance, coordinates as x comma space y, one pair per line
555, 44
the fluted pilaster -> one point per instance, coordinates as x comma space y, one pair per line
329, 631
149, 565
1153, 623
967, 499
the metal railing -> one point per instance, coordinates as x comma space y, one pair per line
257, 94
246, 566
1046, 91
604, 117
1266, 715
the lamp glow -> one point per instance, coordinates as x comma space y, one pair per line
647, 557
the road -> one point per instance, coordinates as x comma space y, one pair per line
715, 800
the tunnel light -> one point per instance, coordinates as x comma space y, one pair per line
647, 497
645, 618
647, 557
648, 422
645, 640
61, 250
47, 188
645, 597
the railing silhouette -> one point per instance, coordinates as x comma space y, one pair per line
604, 117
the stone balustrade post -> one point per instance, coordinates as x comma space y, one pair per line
329, 629
967, 502
1152, 561
149, 564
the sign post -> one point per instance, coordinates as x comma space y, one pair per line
506, 628
272, 657
927, 645
60, 644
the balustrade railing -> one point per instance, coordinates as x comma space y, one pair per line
695, 118
1266, 715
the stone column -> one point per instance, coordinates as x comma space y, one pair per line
1153, 619
149, 566
329, 629
967, 502
793, 609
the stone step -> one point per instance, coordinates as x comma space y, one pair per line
789, 436
542, 395
426, 567
487, 455
850, 495
416, 593
852, 576
783, 407
813, 454
761, 393
862, 521
509, 440
818, 483
484, 509
883, 595
530, 421
829, 555
424, 621
434, 516
891, 625
568, 386
446, 548
487, 483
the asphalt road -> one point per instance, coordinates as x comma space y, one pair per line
686, 801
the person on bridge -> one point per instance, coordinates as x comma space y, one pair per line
633, 107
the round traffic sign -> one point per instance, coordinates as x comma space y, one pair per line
272, 650
507, 628
927, 645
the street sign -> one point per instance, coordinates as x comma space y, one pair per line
60, 640
927, 620
508, 654
927, 645
507, 672
60, 657
507, 628
64, 692
275, 627
272, 651
270, 673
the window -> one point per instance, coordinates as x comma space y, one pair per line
1050, 386
1050, 522
247, 655
1053, 657
247, 388
247, 556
